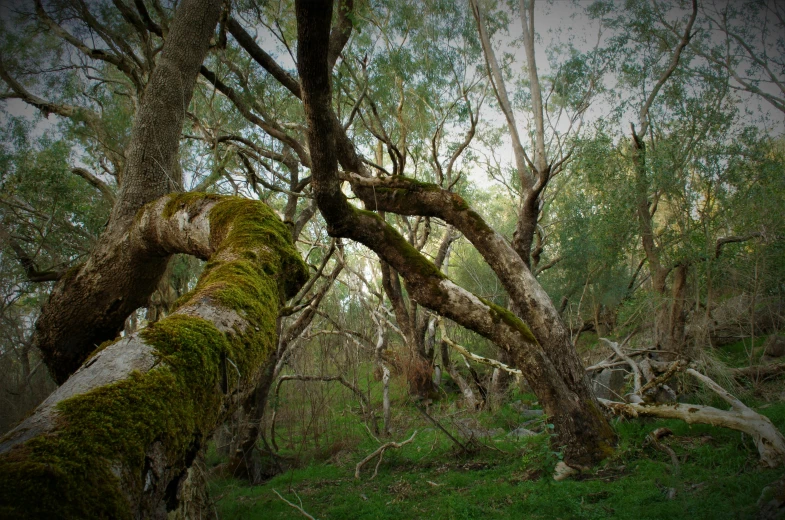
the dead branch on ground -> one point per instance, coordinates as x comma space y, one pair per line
295, 506
768, 439
380, 452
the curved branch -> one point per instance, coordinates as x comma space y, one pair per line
722, 242
158, 392
28, 264
248, 43
97, 183
555, 375
341, 31
685, 40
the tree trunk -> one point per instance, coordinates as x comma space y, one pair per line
116, 440
551, 364
91, 302
669, 316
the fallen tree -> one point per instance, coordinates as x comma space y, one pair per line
116, 439
768, 439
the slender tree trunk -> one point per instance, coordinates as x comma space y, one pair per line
419, 365
117, 439
669, 316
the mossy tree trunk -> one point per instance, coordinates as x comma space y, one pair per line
90, 303
549, 362
116, 440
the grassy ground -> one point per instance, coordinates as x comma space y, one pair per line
717, 477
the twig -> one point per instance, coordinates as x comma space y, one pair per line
380, 452
436, 423
295, 506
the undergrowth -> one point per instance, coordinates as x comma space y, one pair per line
717, 476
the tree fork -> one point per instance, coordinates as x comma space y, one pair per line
116, 439
91, 302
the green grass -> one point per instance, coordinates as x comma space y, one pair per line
718, 477
738, 354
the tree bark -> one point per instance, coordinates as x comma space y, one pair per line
551, 365
116, 440
91, 302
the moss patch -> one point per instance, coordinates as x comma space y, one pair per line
500, 314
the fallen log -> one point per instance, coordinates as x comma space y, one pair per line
768, 439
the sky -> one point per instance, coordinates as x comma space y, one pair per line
557, 22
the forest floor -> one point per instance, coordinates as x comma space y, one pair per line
717, 474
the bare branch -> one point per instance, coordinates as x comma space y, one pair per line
380, 452
97, 183
28, 264
295, 506
474, 357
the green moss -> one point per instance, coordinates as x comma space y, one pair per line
480, 226
412, 184
68, 474
500, 314
191, 199
458, 203
412, 258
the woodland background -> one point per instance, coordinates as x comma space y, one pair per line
531, 113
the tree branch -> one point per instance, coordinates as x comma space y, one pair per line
685, 40
97, 183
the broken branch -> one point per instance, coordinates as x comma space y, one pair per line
380, 452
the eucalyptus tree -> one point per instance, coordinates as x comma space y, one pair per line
678, 152
559, 381
159, 69
417, 98
210, 355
